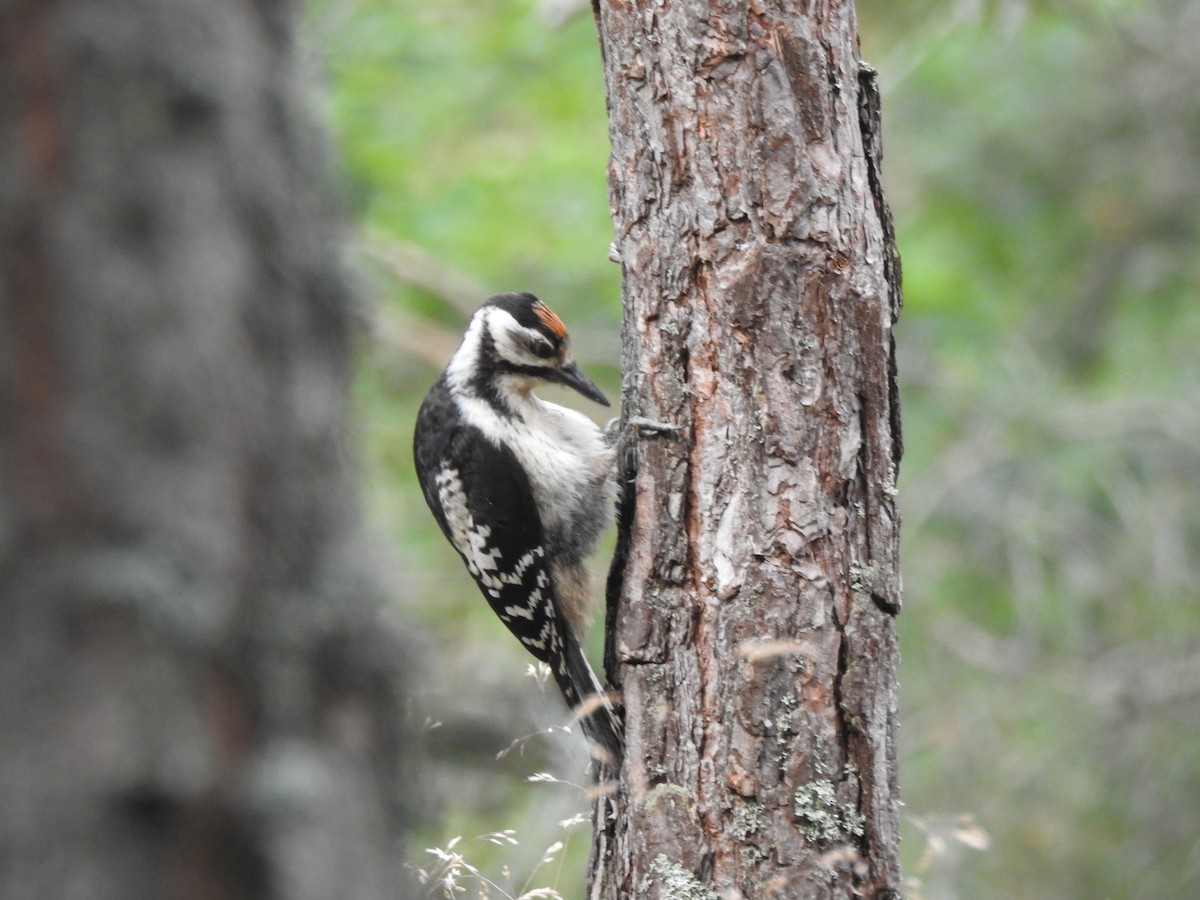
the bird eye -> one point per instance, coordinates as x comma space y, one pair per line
542, 349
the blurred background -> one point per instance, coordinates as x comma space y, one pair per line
1043, 163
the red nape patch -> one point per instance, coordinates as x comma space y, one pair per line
550, 320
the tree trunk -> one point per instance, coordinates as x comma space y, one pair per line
752, 601
196, 698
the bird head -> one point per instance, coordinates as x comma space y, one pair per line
522, 342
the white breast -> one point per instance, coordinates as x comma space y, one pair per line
568, 462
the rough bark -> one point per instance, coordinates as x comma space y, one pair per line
752, 602
196, 697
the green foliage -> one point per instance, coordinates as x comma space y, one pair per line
1043, 161
1045, 184
473, 129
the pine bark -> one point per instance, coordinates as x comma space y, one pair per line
753, 598
196, 696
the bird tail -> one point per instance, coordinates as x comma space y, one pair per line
591, 704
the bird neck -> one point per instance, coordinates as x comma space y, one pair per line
475, 374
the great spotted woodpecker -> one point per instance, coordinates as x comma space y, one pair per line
523, 488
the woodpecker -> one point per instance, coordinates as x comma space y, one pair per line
523, 489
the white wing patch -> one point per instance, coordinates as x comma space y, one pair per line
486, 564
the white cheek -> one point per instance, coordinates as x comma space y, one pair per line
511, 339
510, 350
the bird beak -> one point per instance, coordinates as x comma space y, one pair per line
572, 376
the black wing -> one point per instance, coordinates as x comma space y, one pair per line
482, 499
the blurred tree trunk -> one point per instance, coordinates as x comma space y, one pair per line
753, 597
196, 699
